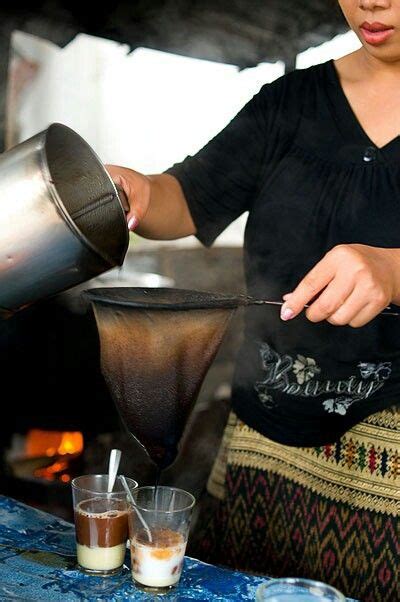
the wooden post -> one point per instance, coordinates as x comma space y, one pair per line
5, 37
290, 64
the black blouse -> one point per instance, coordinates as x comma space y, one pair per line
298, 160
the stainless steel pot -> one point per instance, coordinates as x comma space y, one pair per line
61, 219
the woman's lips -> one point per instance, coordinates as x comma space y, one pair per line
376, 33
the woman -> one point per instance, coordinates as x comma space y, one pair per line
307, 478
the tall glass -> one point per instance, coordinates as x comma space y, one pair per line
158, 530
101, 523
301, 590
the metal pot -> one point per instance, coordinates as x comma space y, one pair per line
61, 219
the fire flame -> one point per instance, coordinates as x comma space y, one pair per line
54, 443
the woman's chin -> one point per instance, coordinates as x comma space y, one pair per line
387, 52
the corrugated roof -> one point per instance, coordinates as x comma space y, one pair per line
240, 32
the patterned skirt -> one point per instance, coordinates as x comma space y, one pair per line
329, 513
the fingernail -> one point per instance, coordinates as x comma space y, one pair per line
286, 313
133, 223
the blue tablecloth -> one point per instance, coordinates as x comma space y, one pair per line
37, 562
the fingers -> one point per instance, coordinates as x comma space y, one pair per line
336, 310
131, 217
332, 298
355, 312
350, 285
349, 310
365, 315
135, 192
311, 285
122, 183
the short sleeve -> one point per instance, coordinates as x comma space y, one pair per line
220, 181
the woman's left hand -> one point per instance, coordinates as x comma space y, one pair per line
350, 285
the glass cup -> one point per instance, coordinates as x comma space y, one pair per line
293, 590
158, 531
101, 523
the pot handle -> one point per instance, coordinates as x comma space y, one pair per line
123, 199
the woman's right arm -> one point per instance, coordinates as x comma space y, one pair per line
158, 208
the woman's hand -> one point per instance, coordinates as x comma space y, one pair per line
350, 285
156, 205
136, 188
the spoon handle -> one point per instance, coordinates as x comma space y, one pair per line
388, 311
113, 465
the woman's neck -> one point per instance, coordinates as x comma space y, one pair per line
373, 92
360, 65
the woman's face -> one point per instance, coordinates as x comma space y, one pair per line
377, 24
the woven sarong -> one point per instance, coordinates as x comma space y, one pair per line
330, 513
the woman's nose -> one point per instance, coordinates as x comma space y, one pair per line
374, 4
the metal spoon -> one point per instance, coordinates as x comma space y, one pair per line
131, 499
113, 465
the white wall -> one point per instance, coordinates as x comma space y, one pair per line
334, 49
147, 109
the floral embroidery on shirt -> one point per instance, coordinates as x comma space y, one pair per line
298, 377
340, 405
305, 368
379, 371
